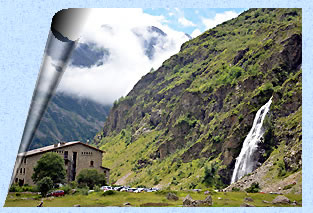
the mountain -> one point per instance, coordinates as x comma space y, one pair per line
68, 119
71, 118
150, 37
88, 54
183, 125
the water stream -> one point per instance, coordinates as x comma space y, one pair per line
245, 162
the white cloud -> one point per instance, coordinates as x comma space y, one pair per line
185, 22
195, 33
127, 62
219, 18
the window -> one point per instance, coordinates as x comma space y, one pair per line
24, 171
91, 163
21, 170
24, 160
86, 153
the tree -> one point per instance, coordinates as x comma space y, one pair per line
44, 185
90, 178
50, 165
209, 173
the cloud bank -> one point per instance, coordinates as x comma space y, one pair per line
218, 19
115, 30
185, 22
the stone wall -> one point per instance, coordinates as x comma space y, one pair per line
85, 155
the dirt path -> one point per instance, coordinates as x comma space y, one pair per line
122, 180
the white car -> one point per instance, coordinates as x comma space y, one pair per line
103, 187
107, 188
123, 189
131, 189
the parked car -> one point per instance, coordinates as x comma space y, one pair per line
118, 188
103, 187
131, 190
124, 189
140, 189
107, 188
56, 193
154, 189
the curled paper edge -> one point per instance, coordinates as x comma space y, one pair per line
65, 31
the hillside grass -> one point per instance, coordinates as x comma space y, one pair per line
152, 199
174, 152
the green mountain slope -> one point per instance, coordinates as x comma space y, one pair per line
183, 125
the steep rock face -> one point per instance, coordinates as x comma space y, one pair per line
200, 104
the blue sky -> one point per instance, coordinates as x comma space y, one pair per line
190, 19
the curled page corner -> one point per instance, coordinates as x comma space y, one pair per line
66, 27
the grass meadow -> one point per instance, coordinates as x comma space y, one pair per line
145, 199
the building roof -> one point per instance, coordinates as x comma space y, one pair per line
55, 147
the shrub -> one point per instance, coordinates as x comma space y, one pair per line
156, 180
44, 185
67, 189
174, 182
73, 184
96, 188
288, 186
235, 189
110, 192
90, 178
25, 188
254, 188
14, 188
281, 169
84, 190
240, 118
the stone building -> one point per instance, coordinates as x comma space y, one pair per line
76, 155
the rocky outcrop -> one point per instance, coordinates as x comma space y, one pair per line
189, 202
248, 199
246, 205
171, 196
281, 200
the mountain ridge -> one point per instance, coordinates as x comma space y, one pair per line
190, 117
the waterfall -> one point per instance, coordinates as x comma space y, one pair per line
245, 162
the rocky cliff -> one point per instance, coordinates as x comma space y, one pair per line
183, 125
